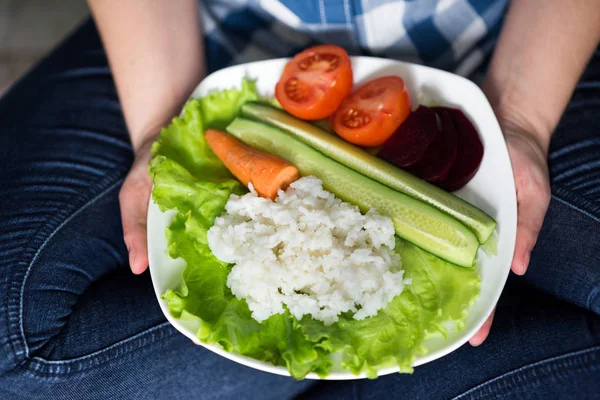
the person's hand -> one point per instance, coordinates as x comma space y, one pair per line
133, 198
530, 168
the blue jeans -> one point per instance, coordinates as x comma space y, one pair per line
76, 324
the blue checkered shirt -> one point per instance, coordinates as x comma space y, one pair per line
455, 35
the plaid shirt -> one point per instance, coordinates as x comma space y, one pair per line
455, 35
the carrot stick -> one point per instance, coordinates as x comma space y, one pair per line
267, 172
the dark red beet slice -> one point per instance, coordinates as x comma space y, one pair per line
437, 161
410, 141
470, 151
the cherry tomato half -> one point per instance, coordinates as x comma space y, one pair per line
315, 82
371, 114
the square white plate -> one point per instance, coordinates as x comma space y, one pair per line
492, 190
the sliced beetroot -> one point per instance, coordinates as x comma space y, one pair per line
470, 151
439, 158
410, 141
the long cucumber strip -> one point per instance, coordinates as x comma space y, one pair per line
375, 168
414, 220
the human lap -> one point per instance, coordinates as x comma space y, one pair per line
69, 303
66, 154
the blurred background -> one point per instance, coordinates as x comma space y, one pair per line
29, 29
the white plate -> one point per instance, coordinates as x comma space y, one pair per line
492, 190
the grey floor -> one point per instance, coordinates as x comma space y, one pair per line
31, 28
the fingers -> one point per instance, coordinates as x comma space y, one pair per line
533, 199
533, 193
134, 197
483, 332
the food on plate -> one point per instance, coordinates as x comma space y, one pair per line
314, 83
414, 220
192, 181
323, 124
268, 173
375, 168
370, 114
439, 157
308, 252
470, 151
347, 263
410, 141
316, 86
448, 157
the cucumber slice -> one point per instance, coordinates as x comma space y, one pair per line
415, 221
375, 168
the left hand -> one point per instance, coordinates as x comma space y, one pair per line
134, 198
528, 157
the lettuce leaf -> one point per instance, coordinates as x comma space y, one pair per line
190, 179
440, 293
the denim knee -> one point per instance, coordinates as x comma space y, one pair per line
48, 273
565, 261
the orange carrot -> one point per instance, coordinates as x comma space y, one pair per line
267, 172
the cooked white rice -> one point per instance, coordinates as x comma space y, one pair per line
309, 251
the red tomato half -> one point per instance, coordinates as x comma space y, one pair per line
371, 114
315, 82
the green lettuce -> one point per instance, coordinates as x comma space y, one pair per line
190, 179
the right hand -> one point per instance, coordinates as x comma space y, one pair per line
528, 157
133, 198
530, 168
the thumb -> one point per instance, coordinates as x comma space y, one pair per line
134, 197
483, 332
